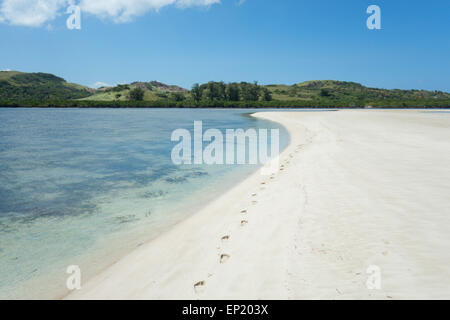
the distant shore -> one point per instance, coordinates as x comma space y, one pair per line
355, 190
227, 105
19, 89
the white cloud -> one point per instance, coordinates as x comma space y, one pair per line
192, 3
100, 84
125, 10
36, 13
31, 13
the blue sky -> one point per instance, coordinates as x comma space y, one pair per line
284, 41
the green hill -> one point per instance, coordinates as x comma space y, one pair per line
20, 86
153, 91
351, 93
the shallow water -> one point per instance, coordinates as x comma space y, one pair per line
84, 187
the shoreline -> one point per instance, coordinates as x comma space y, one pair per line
263, 109
339, 204
110, 248
88, 289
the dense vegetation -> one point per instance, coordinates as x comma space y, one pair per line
352, 94
137, 94
219, 91
45, 90
17, 86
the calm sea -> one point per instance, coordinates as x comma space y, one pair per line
84, 187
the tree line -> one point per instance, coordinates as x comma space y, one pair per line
215, 91
319, 103
219, 91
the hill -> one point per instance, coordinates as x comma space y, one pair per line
38, 86
351, 93
153, 91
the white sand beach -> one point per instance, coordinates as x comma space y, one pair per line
355, 189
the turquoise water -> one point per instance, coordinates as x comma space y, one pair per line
84, 187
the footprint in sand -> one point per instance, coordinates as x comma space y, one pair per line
254, 194
244, 223
224, 258
199, 287
244, 211
225, 238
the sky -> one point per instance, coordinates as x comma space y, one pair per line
183, 42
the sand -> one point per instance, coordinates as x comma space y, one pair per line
356, 189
